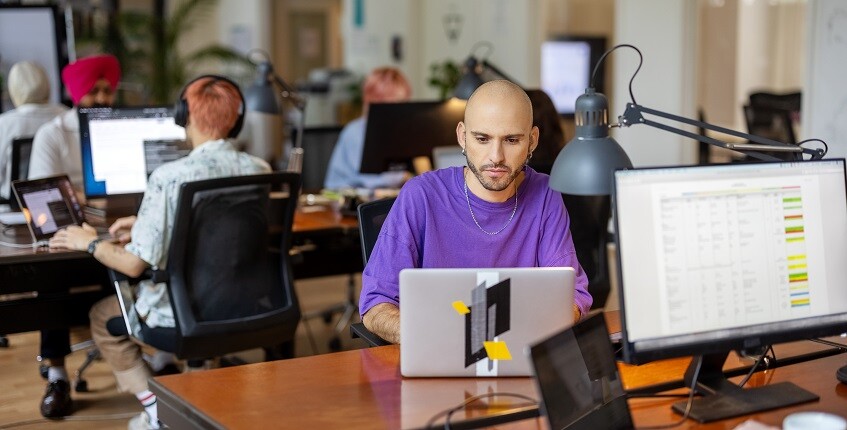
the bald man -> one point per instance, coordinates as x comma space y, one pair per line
496, 212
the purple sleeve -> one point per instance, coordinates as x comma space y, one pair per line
392, 253
557, 249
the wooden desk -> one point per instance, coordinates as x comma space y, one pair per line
42, 288
364, 389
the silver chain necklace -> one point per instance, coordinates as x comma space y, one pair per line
468, 199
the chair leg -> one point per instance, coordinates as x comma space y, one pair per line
80, 384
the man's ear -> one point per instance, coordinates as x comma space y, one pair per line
460, 134
533, 139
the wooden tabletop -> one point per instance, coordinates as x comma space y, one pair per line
364, 389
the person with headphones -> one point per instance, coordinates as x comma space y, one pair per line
211, 108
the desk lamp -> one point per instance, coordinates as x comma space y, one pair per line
262, 97
585, 165
474, 69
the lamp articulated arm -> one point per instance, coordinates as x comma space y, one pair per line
634, 115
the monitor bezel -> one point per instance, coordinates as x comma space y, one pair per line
734, 339
85, 146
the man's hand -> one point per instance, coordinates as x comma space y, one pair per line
121, 229
576, 314
74, 237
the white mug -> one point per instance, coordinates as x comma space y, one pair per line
814, 420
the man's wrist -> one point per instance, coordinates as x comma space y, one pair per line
92, 246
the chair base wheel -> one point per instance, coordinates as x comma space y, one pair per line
335, 344
42, 370
81, 386
4, 342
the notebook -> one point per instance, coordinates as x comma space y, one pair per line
477, 322
48, 204
576, 374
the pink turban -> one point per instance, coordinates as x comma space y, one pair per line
81, 75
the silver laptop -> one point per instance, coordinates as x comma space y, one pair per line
477, 322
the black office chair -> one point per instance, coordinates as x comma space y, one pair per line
18, 166
371, 217
229, 290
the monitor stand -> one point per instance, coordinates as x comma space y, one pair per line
113, 207
723, 399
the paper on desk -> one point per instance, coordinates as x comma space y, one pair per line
12, 218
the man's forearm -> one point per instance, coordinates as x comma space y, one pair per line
116, 257
383, 320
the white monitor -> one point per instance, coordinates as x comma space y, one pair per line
122, 146
566, 66
736, 256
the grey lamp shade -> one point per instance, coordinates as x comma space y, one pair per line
470, 80
584, 167
261, 96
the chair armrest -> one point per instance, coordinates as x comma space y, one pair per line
156, 276
358, 330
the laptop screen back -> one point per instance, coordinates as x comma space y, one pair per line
477, 322
578, 379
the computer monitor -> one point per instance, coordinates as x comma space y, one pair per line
723, 257
396, 133
122, 146
566, 66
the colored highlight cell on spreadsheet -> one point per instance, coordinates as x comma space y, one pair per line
794, 217
796, 257
799, 302
792, 199
796, 266
796, 239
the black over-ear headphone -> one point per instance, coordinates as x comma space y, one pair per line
181, 107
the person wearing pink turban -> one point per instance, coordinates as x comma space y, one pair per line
91, 82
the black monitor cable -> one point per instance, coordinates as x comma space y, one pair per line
448, 413
763, 358
688, 405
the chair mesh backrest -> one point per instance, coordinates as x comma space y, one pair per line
229, 273
21, 149
229, 233
371, 217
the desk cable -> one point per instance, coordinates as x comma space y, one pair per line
6, 229
123, 416
448, 413
688, 405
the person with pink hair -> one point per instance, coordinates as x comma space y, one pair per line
143, 241
383, 85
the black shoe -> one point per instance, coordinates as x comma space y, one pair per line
57, 401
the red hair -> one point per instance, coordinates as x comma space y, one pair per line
385, 85
213, 106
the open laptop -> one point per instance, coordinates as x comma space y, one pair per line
579, 382
48, 204
477, 322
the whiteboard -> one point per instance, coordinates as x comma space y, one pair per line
32, 33
825, 96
